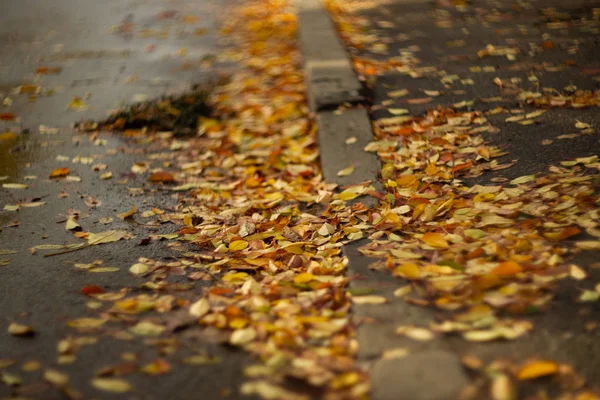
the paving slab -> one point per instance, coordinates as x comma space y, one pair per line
329, 74
429, 375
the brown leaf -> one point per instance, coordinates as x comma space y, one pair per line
165, 177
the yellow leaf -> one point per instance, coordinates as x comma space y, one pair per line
537, 369
408, 270
235, 277
139, 268
588, 245
237, 245
14, 186
201, 359
398, 93
304, 277
71, 224
326, 229
200, 308
369, 300
157, 367
242, 336
436, 240
398, 111
523, 179
56, 377
128, 214
415, 333
86, 323
402, 291
114, 385
16, 329
348, 195
346, 171
107, 236
147, 328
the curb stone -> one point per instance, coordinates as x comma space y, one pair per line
330, 77
331, 83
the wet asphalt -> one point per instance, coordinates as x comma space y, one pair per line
562, 332
109, 53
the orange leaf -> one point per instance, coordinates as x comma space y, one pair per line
89, 290
506, 268
48, 70
537, 369
460, 167
7, 117
59, 172
435, 240
157, 367
161, 177
128, 214
568, 232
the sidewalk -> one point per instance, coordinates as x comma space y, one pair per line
485, 118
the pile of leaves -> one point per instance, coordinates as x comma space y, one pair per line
180, 114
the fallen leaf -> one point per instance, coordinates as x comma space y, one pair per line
55, 377
86, 323
507, 268
346, 171
242, 336
369, 300
200, 308
436, 240
398, 93
107, 237
128, 214
71, 225
139, 268
157, 367
415, 333
17, 329
14, 186
147, 328
238, 245
537, 369
59, 172
402, 291
522, 179
502, 388
162, 176
90, 290
201, 359
114, 385
398, 111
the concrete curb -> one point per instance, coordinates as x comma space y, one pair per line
332, 82
328, 70
426, 374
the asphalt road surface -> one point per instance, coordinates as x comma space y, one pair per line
107, 53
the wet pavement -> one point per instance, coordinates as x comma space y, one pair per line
61, 62
417, 56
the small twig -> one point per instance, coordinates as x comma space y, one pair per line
68, 251
78, 248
